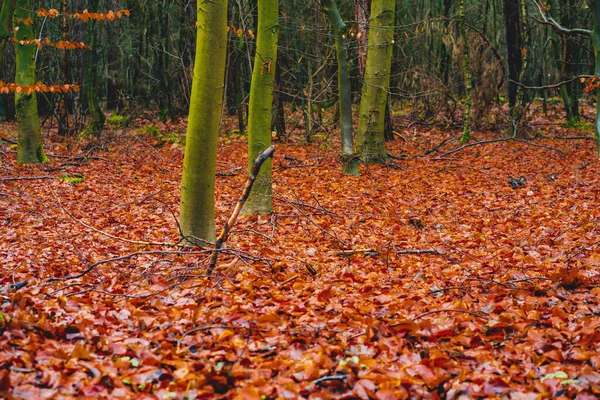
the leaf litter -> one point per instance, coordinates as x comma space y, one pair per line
441, 280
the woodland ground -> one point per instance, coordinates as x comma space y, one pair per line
500, 296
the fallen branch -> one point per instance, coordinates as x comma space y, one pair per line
357, 251
121, 258
28, 178
479, 314
424, 251
330, 378
262, 157
500, 140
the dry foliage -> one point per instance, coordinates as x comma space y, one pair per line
436, 281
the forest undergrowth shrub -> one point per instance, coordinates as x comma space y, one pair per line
118, 121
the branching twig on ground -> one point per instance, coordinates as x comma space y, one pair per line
238, 207
500, 140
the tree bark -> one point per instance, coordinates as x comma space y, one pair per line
370, 137
97, 118
197, 205
349, 159
596, 42
361, 14
29, 143
467, 77
260, 107
6, 29
63, 107
514, 44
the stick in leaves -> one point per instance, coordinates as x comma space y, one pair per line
262, 157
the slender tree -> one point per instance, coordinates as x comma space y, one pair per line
6, 26
29, 144
466, 66
349, 160
200, 161
596, 42
260, 107
371, 123
97, 118
512, 21
6, 18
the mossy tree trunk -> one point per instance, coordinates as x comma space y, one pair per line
197, 205
97, 117
349, 160
467, 77
370, 134
260, 107
596, 42
29, 146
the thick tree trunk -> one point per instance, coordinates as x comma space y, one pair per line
200, 161
349, 159
260, 107
370, 137
29, 146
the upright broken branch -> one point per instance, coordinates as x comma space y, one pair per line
262, 157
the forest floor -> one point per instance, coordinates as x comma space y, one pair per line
474, 274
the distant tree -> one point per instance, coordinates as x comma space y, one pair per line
596, 41
467, 77
349, 159
200, 161
260, 107
97, 117
6, 31
371, 123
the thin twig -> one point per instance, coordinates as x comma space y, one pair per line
28, 178
480, 314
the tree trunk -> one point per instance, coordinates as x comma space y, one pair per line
6, 25
278, 104
370, 138
570, 58
361, 14
200, 161
349, 159
97, 118
64, 128
514, 44
6, 29
29, 146
260, 107
596, 41
466, 66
